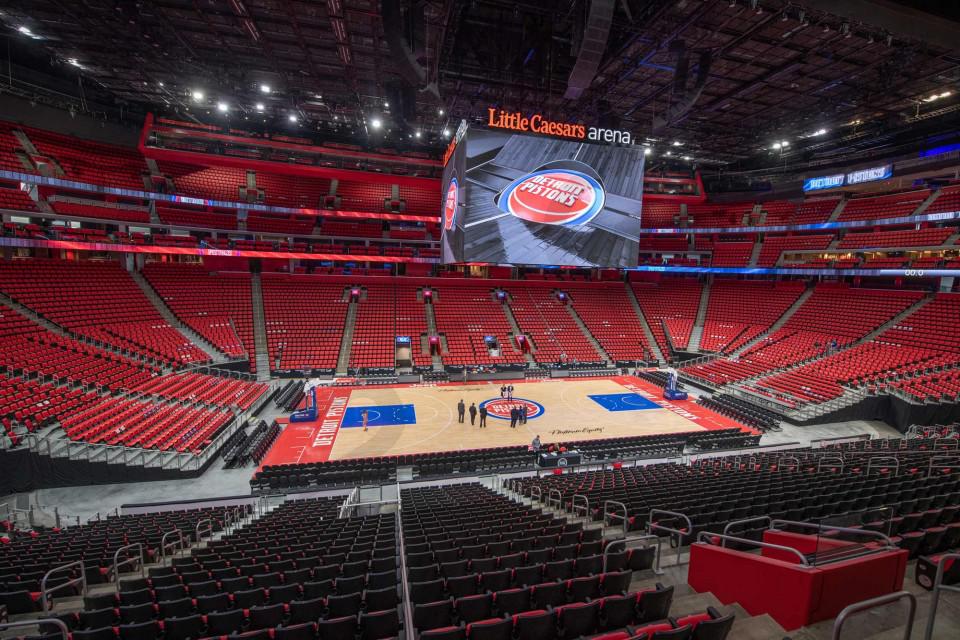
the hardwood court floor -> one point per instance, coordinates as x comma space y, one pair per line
568, 414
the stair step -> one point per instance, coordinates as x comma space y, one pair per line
692, 603
747, 627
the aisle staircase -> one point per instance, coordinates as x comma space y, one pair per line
259, 329
216, 356
648, 334
693, 345
432, 331
782, 320
515, 331
589, 336
346, 341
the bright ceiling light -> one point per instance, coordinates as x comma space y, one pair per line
441, 111
946, 94
777, 145
446, 133
386, 105
668, 153
25, 31
417, 134
198, 96
223, 107
686, 157
259, 106
73, 61
785, 143
677, 143
375, 123
160, 83
292, 117
264, 88
647, 151
820, 132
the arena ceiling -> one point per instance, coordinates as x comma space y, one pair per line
719, 83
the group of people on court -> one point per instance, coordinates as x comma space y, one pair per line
461, 410
506, 391
518, 414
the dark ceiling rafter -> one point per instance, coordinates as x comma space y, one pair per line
774, 72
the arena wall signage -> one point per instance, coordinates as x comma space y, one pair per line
516, 121
859, 176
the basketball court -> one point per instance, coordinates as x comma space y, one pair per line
423, 418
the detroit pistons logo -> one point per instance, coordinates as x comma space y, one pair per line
563, 197
450, 204
500, 407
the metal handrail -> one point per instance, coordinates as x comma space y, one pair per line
164, 546
886, 459
658, 543
953, 441
115, 567
707, 538
833, 459
60, 624
625, 516
550, 498
45, 593
539, 493
774, 524
871, 603
937, 462
586, 505
730, 525
404, 581
199, 530
651, 525
938, 586
781, 462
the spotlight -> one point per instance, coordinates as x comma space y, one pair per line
686, 158
777, 145
441, 111
417, 134
25, 31
222, 107
264, 88
160, 84
198, 96
446, 133
647, 151
386, 105
259, 106
375, 123
292, 117
785, 143
74, 62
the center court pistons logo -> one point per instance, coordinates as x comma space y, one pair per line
500, 407
450, 204
564, 193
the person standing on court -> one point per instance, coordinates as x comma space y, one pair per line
514, 414
523, 414
365, 415
473, 414
483, 416
510, 392
503, 391
461, 408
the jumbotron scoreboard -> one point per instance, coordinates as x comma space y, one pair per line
529, 191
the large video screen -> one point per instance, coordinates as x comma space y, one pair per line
529, 200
